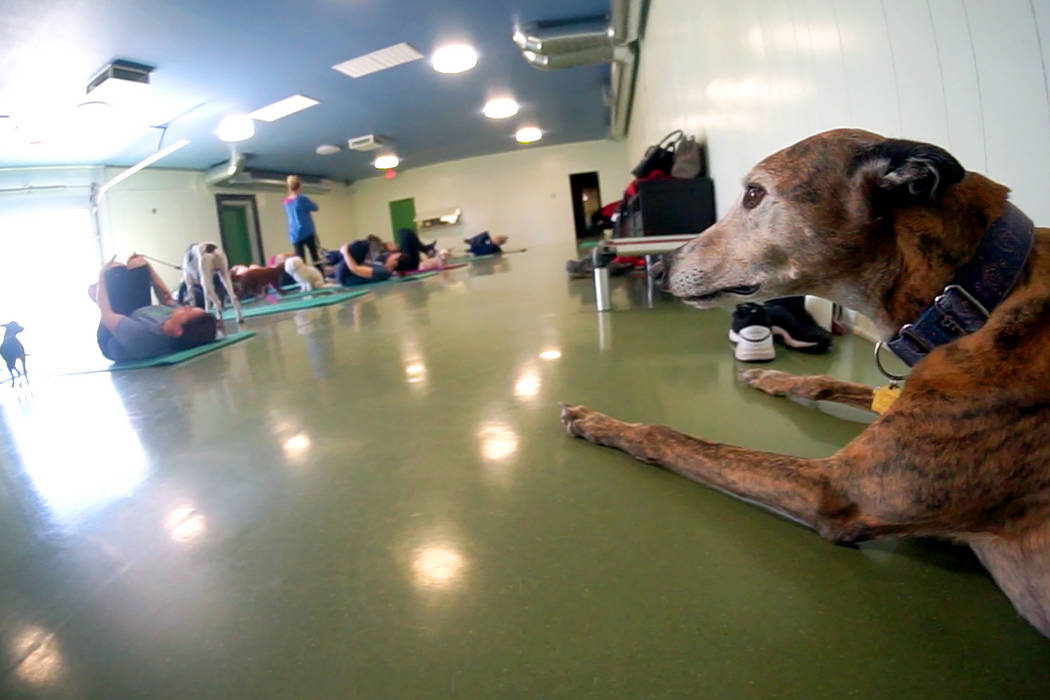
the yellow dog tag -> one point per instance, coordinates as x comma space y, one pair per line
884, 397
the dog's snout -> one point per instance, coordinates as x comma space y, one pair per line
659, 271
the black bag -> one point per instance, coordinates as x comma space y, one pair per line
658, 157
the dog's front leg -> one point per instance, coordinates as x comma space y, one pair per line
791, 486
812, 388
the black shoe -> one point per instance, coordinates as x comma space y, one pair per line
794, 327
583, 267
751, 334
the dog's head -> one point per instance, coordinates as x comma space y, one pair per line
12, 328
808, 217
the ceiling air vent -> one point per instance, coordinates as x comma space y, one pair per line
122, 71
378, 60
368, 142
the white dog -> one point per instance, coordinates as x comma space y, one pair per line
199, 266
308, 276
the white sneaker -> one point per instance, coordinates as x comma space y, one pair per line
751, 334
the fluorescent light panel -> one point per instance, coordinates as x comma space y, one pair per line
282, 108
144, 163
378, 60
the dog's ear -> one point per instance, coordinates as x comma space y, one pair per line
907, 172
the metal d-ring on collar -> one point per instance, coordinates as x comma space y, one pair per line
964, 305
885, 372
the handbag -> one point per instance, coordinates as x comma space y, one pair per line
687, 161
658, 157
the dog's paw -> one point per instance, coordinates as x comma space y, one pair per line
570, 415
771, 381
582, 422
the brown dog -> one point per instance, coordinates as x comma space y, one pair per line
257, 280
882, 226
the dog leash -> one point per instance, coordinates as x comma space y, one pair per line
158, 260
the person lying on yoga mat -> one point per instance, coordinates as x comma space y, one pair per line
132, 328
352, 264
414, 255
484, 244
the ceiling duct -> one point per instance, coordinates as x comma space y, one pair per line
590, 41
223, 172
232, 173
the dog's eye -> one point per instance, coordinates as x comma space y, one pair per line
753, 195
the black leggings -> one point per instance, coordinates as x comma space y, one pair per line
127, 288
411, 247
307, 243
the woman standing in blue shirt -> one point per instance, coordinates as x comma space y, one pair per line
301, 231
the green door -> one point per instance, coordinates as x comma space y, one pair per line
402, 215
233, 222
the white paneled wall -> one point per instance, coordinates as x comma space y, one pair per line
969, 75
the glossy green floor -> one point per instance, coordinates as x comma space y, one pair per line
376, 500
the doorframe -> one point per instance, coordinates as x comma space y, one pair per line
575, 191
244, 200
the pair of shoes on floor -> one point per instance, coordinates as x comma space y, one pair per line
755, 326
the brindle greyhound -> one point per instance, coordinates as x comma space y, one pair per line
882, 226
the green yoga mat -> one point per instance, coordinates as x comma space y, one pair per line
175, 358
256, 309
315, 297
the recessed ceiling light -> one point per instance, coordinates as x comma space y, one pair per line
454, 58
500, 108
327, 149
528, 134
282, 108
378, 60
236, 127
386, 162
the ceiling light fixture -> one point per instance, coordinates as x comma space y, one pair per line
282, 108
500, 108
378, 60
454, 58
327, 149
144, 163
236, 127
528, 134
386, 162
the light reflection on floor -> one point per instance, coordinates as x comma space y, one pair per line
76, 444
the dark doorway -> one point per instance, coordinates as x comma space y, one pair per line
239, 227
586, 200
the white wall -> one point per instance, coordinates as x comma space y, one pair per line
757, 76
523, 194
160, 212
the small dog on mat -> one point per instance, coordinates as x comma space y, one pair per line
12, 351
307, 276
256, 281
